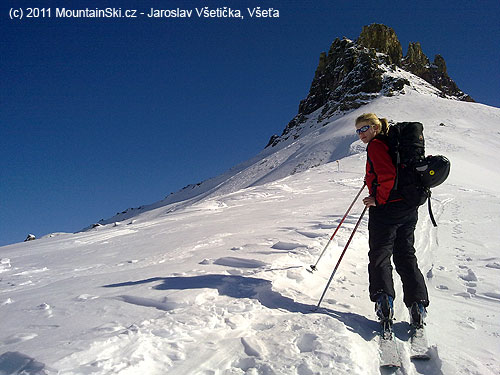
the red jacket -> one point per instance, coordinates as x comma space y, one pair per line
380, 171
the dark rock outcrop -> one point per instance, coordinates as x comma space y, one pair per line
351, 74
382, 39
436, 74
341, 76
415, 60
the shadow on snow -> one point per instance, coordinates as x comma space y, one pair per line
19, 363
236, 286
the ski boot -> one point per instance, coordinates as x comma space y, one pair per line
418, 338
417, 315
384, 308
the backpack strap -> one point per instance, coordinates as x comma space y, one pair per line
430, 210
375, 181
397, 165
393, 145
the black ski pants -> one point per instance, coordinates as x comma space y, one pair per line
387, 239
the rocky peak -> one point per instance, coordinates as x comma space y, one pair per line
415, 60
436, 74
440, 64
353, 73
345, 78
382, 39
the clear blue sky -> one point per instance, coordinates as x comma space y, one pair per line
99, 115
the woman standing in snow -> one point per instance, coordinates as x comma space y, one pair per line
391, 227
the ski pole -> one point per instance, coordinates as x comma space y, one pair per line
313, 267
341, 256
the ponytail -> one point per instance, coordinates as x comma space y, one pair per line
384, 123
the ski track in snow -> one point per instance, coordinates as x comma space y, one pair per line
221, 286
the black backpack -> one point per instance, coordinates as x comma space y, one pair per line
416, 173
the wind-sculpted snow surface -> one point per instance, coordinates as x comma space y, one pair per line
219, 285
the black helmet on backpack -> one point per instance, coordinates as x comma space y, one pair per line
434, 170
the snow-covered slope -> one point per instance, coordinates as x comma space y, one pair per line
218, 284
317, 141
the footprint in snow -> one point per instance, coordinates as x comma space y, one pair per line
307, 342
252, 347
494, 265
239, 262
463, 294
471, 276
442, 287
309, 234
287, 246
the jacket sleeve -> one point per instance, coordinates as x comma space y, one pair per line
384, 170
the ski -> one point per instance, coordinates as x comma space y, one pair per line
419, 344
389, 355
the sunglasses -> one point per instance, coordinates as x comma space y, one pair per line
362, 129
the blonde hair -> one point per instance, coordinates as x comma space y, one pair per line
381, 125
